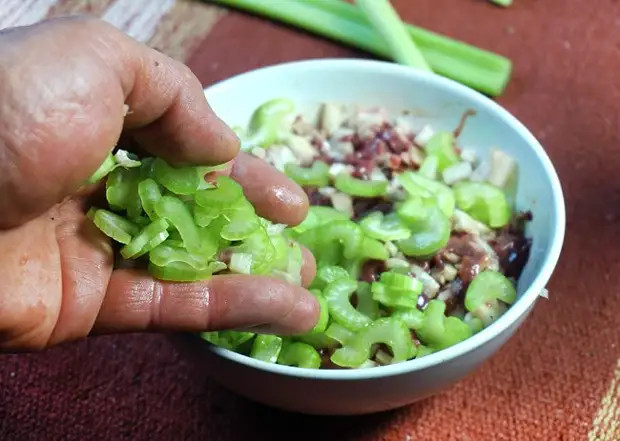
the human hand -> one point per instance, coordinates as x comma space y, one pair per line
64, 85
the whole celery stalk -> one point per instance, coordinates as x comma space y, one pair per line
387, 23
344, 22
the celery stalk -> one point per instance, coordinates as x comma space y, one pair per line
504, 3
344, 22
387, 23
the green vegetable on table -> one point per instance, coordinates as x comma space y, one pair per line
346, 23
387, 23
504, 3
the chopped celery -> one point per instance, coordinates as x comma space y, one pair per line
150, 194
148, 238
315, 176
266, 348
267, 121
115, 226
441, 145
178, 215
225, 194
417, 185
359, 187
484, 293
389, 331
439, 331
396, 290
339, 333
337, 294
299, 354
121, 191
373, 249
321, 324
430, 227
365, 303
227, 339
179, 180
385, 228
328, 274
483, 202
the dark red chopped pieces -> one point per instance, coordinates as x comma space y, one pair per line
513, 251
372, 269
317, 198
363, 206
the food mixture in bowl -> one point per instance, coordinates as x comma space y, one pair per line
417, 242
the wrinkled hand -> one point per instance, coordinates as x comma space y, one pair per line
63, 87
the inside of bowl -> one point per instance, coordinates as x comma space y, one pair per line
431, 101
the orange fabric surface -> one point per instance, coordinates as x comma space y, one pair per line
557, 379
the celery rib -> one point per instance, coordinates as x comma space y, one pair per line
338, 20
388, 24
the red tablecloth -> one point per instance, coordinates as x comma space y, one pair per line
557, 379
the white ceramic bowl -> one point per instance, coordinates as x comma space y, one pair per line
442, 102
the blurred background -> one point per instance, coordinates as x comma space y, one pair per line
557, 379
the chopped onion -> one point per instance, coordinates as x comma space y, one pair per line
377, 175
338, 167
383, 357
340, 149
502, 168
394, 262
430, 287
391, 248
280, 155
122, 159
456, 172
303, 128
481, 173
330, 117
342, 202
415, 154
449, 272
259, 152
403, 125
367, 364
445, 295
302, 148
463, 222
469, 155
424, 135
327, 191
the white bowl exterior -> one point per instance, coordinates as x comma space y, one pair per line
441, 103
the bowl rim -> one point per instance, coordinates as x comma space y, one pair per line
512, 315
